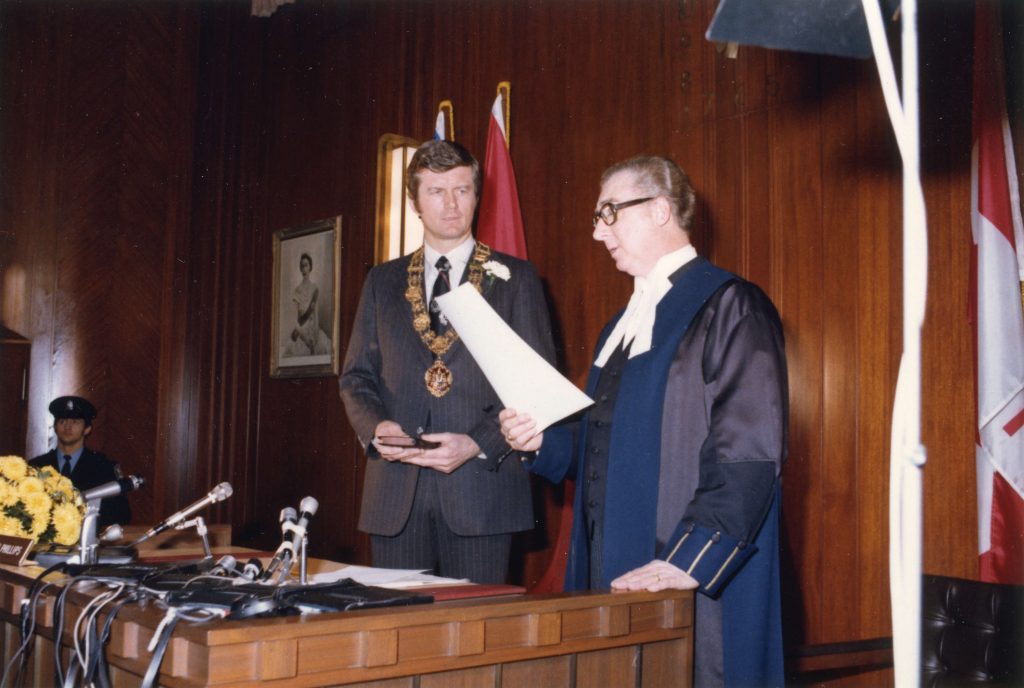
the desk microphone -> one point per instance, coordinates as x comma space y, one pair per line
217, 494
252, 569
225, 565
114, 488
308, 507
287, 547
112, 533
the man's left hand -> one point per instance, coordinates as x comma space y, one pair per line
455, 450
654, 576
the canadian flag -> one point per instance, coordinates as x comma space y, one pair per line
500, 224
996, 283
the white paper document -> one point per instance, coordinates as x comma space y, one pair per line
521, 377
384, 578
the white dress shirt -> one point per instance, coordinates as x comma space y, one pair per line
458, 257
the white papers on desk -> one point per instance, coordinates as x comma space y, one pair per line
397, 579
521, 377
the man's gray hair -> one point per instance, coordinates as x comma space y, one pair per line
659, 176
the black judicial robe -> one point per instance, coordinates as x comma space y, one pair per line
699, 434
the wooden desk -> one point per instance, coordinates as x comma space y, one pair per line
583, 639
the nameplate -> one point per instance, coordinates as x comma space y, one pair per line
13, 550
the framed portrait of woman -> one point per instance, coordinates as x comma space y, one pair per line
307, 290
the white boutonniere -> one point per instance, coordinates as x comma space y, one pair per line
499, 270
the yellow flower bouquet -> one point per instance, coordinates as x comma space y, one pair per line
38, 503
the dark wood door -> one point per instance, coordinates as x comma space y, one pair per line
14, 363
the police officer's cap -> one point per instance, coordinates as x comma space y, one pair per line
73, 407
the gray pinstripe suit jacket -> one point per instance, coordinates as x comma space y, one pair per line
382, 379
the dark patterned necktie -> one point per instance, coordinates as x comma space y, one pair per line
442, 285
66, 468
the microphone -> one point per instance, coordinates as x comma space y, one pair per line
287, 519
217, 494
225, 564
287, 516
112, 533
308, 507
114, 488
253, 569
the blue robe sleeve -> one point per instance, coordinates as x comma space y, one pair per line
556, 459
746, 396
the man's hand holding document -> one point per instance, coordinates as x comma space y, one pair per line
522, 379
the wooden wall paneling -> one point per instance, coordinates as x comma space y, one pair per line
841, 561
176, 439
559, 184
795, 135
306, 447
85, 310
724, 209
762, 241
96, 133
246, 360
879, 313
1013, 27
687, 136
150, 112
221, 257
32, 112
948, 415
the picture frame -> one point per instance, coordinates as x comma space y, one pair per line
305, 320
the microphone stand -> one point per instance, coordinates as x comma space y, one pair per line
89, 551
88, 542
201, 530
302, 559
287, 568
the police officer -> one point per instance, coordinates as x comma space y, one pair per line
72, 422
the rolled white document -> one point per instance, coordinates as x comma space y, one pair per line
521, 377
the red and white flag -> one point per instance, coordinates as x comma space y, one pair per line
996, 279
500, 224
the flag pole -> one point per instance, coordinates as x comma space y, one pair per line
505, 91
445, 108
906, 453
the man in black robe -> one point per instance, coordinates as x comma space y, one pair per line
678, 462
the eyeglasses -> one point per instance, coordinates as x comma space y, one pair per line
609, 211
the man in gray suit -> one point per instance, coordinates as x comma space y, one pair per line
450, 501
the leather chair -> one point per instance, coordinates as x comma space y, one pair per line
972, 633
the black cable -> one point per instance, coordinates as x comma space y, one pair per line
92, 642
153, 671
58, 631
69, 680
100, 673
32, 598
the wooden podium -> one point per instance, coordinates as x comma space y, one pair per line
582, 639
